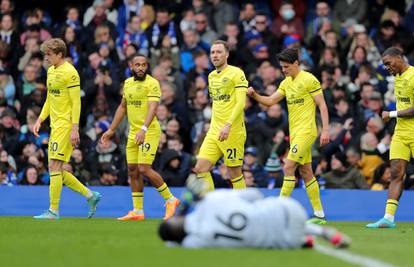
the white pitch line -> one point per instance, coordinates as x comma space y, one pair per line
351, 257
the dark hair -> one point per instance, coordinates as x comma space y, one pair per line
387, 24
393, 52
139, 55
175, 138
199, 53
248, 3
163, 10
261, 13
289, 55
170, 232
3, 167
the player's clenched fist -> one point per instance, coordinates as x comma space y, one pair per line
251, 91
385, 116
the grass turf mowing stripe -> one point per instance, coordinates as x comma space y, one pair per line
351, 257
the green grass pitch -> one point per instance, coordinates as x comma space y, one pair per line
107, 242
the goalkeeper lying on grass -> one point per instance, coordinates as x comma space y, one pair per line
243, 218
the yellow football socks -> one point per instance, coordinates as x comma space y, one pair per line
55, 189
70, 181
390, 209
206, 176
238, 182
165, 191
138, 200
288, 185
312, 188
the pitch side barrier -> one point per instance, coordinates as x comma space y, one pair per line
339, 205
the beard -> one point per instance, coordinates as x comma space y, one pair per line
139, 78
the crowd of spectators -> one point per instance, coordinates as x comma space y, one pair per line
339, 41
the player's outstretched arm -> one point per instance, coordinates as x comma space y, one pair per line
119, 115
320, 102
275, 98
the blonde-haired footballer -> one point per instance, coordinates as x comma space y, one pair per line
63, 106
303, 93
139, 102
227, 86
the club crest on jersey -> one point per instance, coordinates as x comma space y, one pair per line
225, 80
73, 78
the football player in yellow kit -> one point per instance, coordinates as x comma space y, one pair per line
227, 134
139, 102
402, 143
62, 106
303, 93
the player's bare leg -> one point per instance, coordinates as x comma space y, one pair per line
236, 177
202, 169
162, 188
395, 189
312, 189
137, 189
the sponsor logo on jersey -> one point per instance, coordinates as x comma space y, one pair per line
224, 98
404, 99
136, 103
55, 92
299, 101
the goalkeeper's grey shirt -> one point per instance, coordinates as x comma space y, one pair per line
244, 218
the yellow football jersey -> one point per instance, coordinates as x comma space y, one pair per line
137, 94
62, 82
222, 88
404, 95
301, 106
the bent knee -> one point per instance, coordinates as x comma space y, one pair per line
143, 169
132, 168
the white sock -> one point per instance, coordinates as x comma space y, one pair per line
89, 194
389, 217
139, 212
319, 213
171, 199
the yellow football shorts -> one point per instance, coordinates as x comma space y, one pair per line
144, 153
231, 149
301, 149
60, 147
401, 148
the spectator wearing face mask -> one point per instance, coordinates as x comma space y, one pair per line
287, 23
